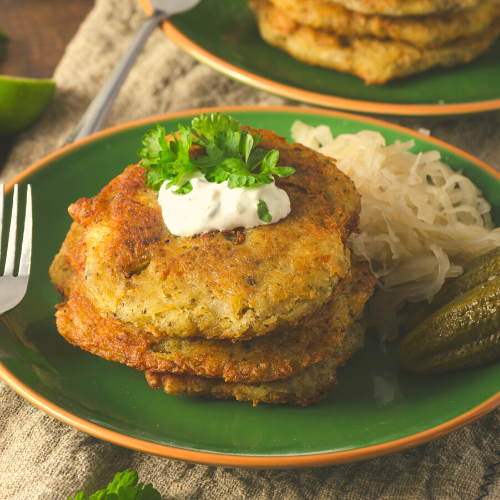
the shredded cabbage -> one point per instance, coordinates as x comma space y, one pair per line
420, 220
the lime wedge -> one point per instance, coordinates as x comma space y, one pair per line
22, 101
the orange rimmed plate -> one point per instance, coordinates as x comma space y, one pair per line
358, 420
224, 36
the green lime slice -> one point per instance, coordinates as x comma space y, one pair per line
22, 101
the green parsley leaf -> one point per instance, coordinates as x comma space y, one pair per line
257, 139
166, 161
184, 189
102, 495
124, 487
209, 126
255, 158
214, 157
269, 165
125, 478
229, 143
151, 140
246, 144
263, 211
240, 176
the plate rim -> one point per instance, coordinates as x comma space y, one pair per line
233, 460
324, 100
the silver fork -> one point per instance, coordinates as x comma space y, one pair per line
13, 288
93, 119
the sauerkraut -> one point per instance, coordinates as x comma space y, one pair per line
421, 221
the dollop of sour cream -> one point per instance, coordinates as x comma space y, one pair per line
210, 206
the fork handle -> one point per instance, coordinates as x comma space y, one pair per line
98, 110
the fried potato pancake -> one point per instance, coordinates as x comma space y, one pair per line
232, 284
309, 385
273, 356
373, 60
406, 7
423, 31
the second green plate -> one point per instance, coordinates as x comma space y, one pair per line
224, 35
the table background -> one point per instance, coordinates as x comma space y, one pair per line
38, 32
42, 458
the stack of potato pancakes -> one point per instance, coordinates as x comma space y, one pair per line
258, 314
379, 40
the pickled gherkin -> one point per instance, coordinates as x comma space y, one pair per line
463, 333
479, 271
492, 254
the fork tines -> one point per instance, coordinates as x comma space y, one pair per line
25, 259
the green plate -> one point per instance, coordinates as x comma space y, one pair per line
376, 408
224, 35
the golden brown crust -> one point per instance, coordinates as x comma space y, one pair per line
427, 31
406, 7
273, 356
61, 270
217, 285
313, 389
373, 60
308, 386
322, 175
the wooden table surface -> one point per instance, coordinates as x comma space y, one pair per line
38, 32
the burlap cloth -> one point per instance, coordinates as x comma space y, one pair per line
41, 458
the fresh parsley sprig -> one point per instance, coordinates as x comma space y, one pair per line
124, 487
167, 161
231, 155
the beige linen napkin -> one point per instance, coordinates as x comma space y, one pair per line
44, 459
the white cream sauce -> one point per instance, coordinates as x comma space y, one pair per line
210, 206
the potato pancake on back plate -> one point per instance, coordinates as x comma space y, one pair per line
374, 60
406, 7
422, 31
232, 284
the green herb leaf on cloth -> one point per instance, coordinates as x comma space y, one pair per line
124, 487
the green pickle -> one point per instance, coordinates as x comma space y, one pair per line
492, 254
479, 271
463, 333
